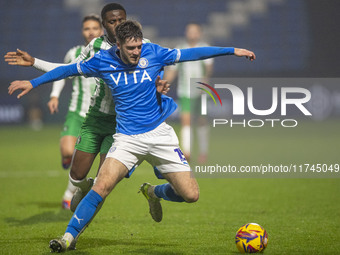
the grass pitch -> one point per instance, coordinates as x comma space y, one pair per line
301, 216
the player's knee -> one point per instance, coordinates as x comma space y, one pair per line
192, 196
76, 175
67, 151
101, 189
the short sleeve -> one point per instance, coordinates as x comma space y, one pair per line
85, 53
70, 56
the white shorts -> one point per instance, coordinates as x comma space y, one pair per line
159, 147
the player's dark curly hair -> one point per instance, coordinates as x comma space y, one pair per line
93, 17
129, 29
111, 7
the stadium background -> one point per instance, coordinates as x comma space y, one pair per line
291, 38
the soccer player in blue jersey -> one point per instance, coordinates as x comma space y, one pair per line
95, 136
130, 70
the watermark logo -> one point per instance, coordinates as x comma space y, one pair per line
272, 127
204, 97
239, 99
244, 103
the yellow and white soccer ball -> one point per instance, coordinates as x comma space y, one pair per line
251, 238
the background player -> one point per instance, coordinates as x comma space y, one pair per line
82, 90
149, 138
185, 71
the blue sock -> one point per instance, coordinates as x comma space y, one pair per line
84, 213
166, 192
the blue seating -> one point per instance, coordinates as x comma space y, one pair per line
48, 30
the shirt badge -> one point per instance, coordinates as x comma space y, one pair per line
143, 63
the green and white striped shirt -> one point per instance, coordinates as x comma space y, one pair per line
101, 101
82, 88
187, 70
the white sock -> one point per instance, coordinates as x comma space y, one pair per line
203, 139
82, 184
185, 139
70, 190
68, 237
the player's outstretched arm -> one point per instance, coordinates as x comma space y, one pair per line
54, 75
22, 58
24, 86
200, 53
19, 58
244, 53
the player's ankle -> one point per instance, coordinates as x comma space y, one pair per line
68, 238
83, 184
151, 191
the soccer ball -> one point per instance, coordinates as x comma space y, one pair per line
251, 238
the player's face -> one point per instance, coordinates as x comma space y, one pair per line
193, 33
111, 20
91, 29
130, 51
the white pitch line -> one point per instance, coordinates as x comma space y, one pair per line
32, 174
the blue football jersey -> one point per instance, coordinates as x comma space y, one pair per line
139, 107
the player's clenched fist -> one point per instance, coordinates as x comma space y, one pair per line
24, 86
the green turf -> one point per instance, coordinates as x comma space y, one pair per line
300, 215
309, 143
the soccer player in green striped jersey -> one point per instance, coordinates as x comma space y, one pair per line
99, 126
82, 90
188, 99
